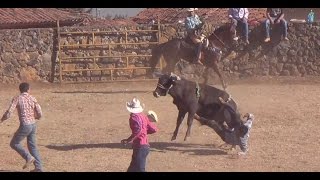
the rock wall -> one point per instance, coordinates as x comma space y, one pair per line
25, 55
32, 54
297, 57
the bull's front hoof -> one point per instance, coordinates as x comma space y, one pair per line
173, 138
185, 138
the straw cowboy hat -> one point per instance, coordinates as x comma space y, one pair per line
134, 106
192, 9
152, 116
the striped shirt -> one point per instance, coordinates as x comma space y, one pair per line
28, 109
233, 139
244, 140
141, 127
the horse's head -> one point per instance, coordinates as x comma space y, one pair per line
165, 82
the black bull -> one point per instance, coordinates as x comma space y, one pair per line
197, 99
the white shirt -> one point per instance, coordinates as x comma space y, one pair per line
238, 13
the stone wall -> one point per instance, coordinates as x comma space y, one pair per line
297, 57
25, 55
31, 54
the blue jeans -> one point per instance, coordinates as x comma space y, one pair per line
29, 132
245, 28
283, 24
139, 158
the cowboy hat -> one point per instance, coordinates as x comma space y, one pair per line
134, 106
152, 116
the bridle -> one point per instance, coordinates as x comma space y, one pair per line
164, 88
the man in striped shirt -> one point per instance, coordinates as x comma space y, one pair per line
232, 137
28, 111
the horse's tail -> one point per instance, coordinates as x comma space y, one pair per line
156, 55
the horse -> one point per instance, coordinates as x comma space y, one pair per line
176, 49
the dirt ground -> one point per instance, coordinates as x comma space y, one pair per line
84, 123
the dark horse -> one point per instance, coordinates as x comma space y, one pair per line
177, 49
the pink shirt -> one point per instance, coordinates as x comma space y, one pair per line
141, 127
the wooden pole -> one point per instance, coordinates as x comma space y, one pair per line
159, 38
59, 52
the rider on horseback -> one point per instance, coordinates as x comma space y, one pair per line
193, 24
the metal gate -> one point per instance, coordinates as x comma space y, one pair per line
63, 61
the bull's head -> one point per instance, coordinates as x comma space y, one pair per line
165, 82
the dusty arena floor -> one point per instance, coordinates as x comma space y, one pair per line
84, 123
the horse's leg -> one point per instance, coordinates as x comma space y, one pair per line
171, 61
206, 75
216, 69
179, 121
172, 64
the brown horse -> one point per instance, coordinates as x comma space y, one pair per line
177, 49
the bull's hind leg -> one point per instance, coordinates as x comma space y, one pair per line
180, 118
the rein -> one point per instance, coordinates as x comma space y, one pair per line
220, 40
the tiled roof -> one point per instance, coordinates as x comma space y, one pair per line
173, 15
38, 17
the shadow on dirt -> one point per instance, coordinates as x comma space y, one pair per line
163, 147
2, 170
101, 92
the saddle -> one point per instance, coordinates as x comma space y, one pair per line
206, 49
